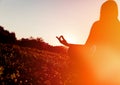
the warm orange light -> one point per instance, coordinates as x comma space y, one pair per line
72, 38
106, 65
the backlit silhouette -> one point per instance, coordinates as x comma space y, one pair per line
103, 39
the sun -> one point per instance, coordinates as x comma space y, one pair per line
71, 39
75, 38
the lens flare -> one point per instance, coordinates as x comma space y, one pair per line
106, 63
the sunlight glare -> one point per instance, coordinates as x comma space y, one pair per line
107, 65
71, 38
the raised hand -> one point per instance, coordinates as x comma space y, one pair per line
62, 40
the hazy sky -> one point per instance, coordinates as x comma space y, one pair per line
49, 18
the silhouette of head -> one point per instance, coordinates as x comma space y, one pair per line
109, 10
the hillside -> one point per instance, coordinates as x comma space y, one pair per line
29, 66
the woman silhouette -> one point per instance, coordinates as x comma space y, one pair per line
104, 34
104, 31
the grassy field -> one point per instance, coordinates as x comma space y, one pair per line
28, 66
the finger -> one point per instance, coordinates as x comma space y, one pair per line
60, 37
57, 37
63, 38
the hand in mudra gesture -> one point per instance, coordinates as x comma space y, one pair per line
62, 40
